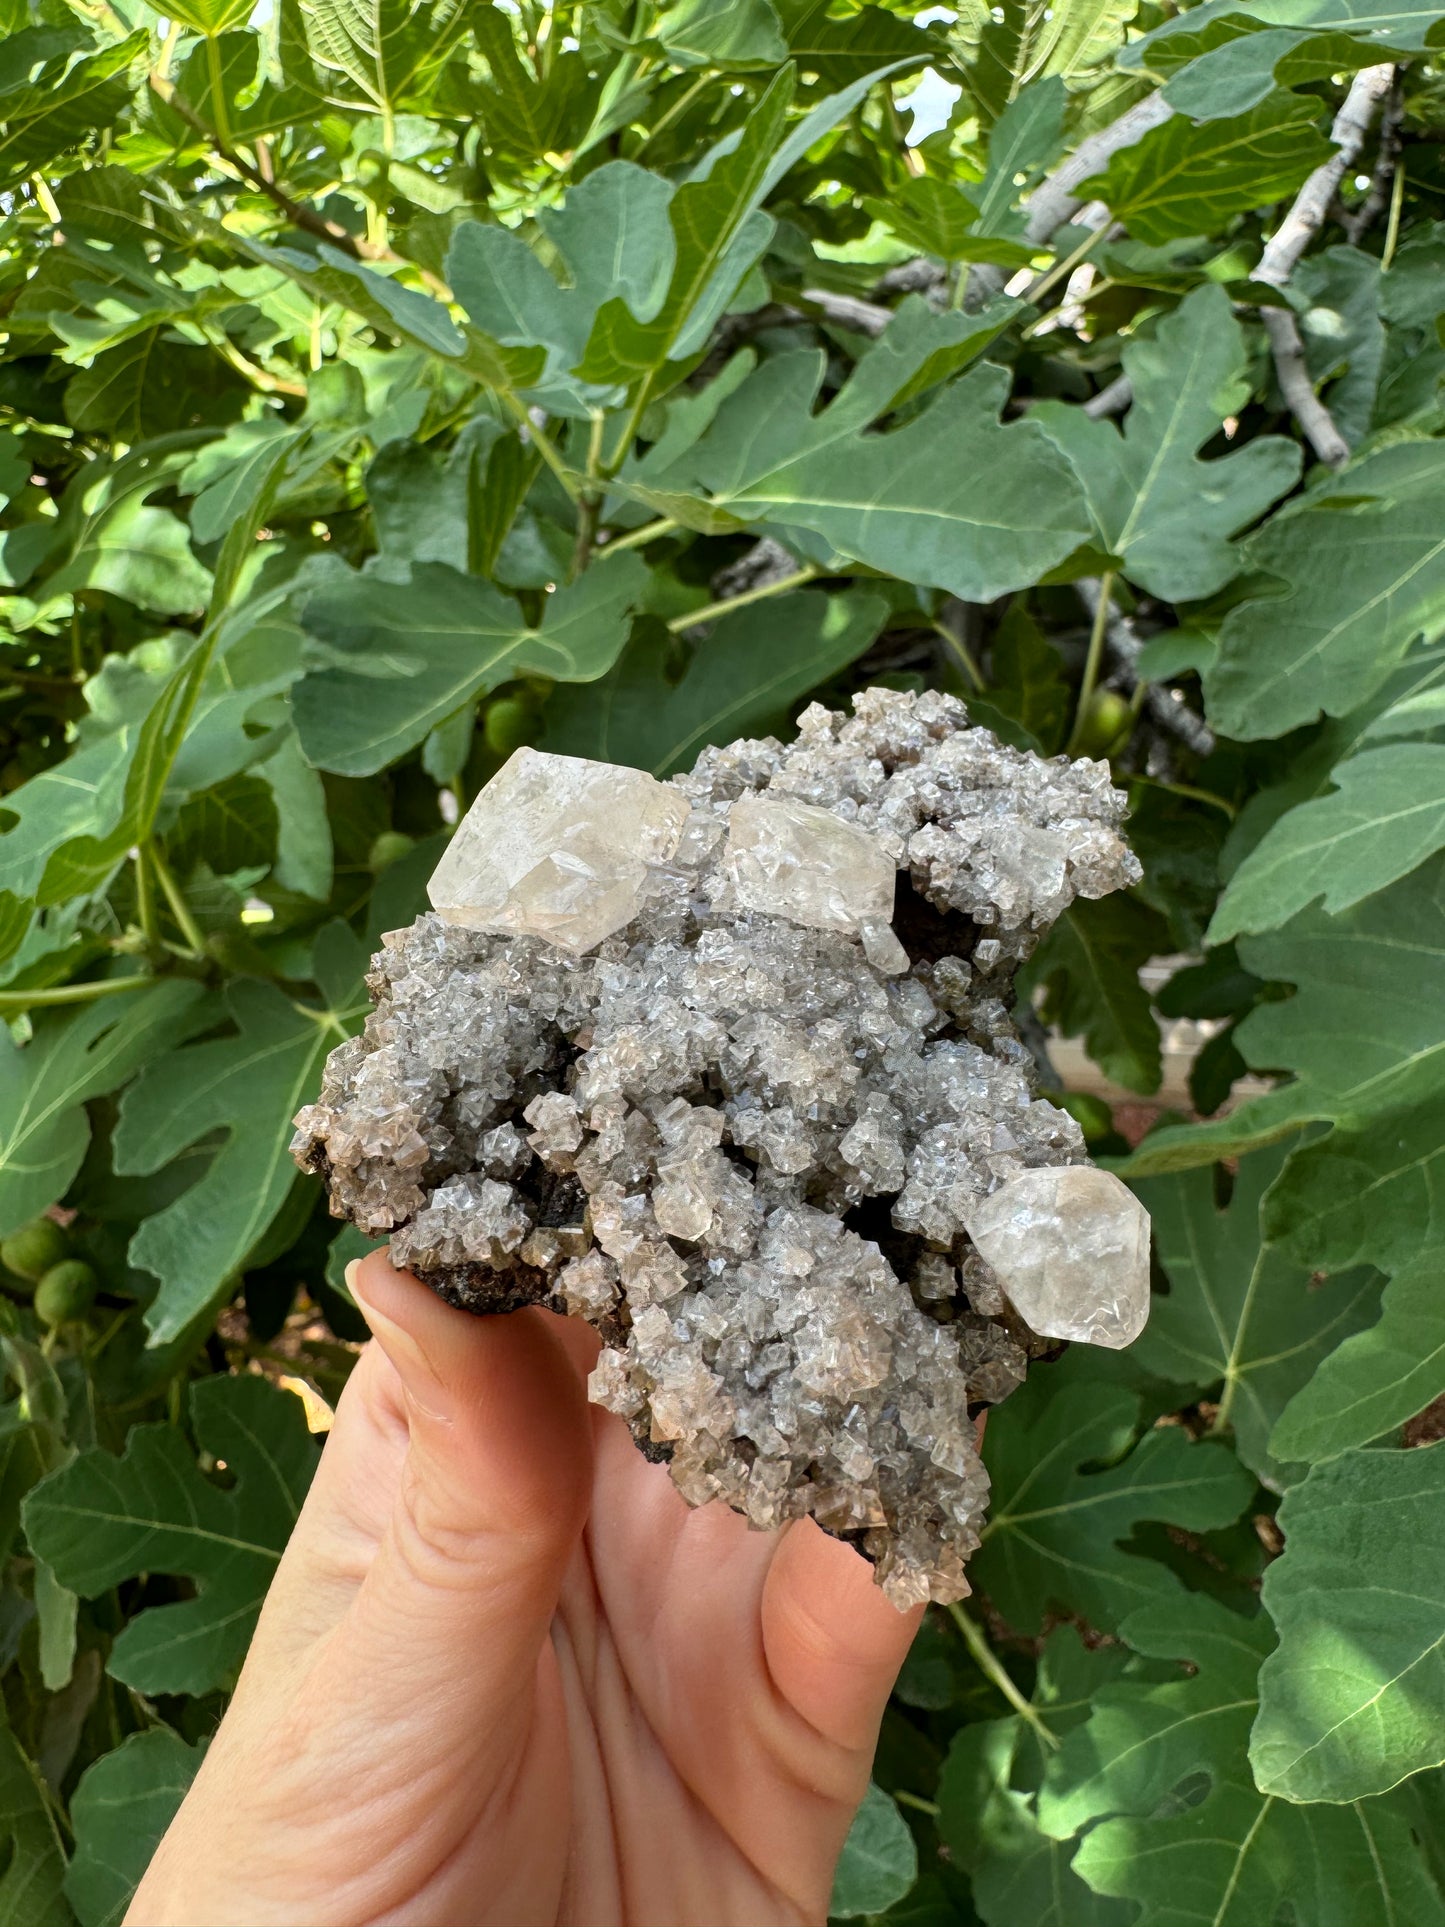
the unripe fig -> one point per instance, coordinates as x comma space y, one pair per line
507, 724
1107, 723
66, 1291
34, 1248
388, 848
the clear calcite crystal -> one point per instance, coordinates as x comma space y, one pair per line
559, 848
746, 1147
1069, 1248
794, 860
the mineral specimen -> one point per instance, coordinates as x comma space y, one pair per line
557, 847
724, 1065
1069, 1248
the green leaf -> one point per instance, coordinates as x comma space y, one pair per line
64, 101
1054, 1534
1360, 565
249, 1086
726, 33
1364, 1033
741, 679
987, 1816
1384, 819
907, 502
1378, 1378
1182, 180
151, 384
615, 244
1160, 1779
73, 1057
122, 1806
389, 50
102, 1520
879, 1861
31, 1890
1353, 1701
400, 657
1239, 1314
139, 553
1161, 513
1088, 966
719, 230
1368, 1195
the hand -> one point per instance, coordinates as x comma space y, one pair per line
505, 1675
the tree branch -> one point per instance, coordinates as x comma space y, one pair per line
1304, 220
1289, 241
296, 212
1358, 223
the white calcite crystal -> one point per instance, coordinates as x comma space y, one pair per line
1069, 1248
557, 847
724, 1065
795, 860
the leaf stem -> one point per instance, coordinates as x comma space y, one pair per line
1392, 226
1060, 272
992, 1668
218, 91
1092, 661
145, 898
639, 538
917, 1802
180, 909
959, 649
629, 428
714, 611
70, 993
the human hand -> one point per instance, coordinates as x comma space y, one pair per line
504, 1674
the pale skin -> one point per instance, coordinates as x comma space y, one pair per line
505, 1676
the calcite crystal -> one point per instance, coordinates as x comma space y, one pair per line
724, 1065
1069, 1249
557, 847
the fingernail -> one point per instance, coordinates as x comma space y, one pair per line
424, 1389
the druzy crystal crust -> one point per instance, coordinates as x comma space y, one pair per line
724, 1065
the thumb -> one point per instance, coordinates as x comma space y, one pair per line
491, 1498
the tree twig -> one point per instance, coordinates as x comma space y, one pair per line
1116, 399
1166, 708
1358, 223
296, 212
1289, 241
1317, 424
1305, 218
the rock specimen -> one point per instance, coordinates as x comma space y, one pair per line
724, 1065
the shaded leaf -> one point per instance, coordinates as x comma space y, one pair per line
249, 1086
742, 678
1181, 179
1160, 1779
879, 1861
1053, 1538
122, 1806
73, 1056
1088, 966
102, 1519
1360, 565
31, 1889
1239, 1315
400, 657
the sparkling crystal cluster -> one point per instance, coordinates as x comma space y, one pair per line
724, 1065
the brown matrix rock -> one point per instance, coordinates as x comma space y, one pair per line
663, 1060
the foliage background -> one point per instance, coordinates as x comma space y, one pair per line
384, 386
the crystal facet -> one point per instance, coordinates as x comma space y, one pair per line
1069, 1246
746, 1146
794, 860
557, 847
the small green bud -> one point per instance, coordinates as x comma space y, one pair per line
1107, 723
34, 1248
66, 1291
388, 848
507, 724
